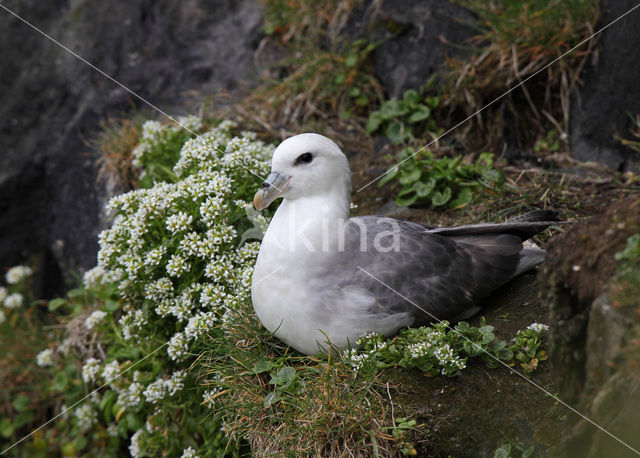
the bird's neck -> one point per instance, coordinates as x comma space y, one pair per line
309, 224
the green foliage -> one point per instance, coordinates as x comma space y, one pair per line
630, 256
548, 144
511, 449
159, 148
526, 347
441, 349
400, 119
171, 270
436, 183
324, 73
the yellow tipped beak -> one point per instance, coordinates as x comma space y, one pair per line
273, 187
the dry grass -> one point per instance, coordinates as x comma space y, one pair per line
115, 144
324, 75
516, 40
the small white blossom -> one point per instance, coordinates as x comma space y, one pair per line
3, 294
176, 382
209, 397
95, 318
155, 391
538, 327
154, 257
13, 301
90, 370
45, 358
134, 445
3, 317
178, 222
112, 430
151, 131
177, 265
189, 452
18, 273
178, 346
86, 416
131, 396
110, 370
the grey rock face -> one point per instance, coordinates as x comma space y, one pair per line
173, 54
600, 109
432, 30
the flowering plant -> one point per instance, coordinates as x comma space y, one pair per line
171, 269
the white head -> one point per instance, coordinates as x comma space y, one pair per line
305, 165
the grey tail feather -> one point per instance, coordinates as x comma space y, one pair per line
522, 229
529, 258
535, 216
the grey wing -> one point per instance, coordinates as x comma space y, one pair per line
425, 274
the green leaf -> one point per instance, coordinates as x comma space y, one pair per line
354, 92
351, 60
339, 79
111, 306
262, 366
76, 293
503, 452
422, 113
406, 198
21, 403
424, 189
81, 443
464, 198
55, 304
6, 428
410, 177
272, 397
374, 121
362, 101
411, 98
284, 377
133, 422
441, 197
393, 108
396, 132
504, 354
391, 173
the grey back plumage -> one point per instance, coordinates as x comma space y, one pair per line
445, 271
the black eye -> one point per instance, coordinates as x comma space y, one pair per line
306, 158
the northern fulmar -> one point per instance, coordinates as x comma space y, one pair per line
322, 277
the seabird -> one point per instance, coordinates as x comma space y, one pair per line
322, 277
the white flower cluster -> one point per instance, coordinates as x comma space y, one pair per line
131, 396
3, 317
13, 301
163, 387
94, 319
173, 253
189, 452
448, 359
90, 370
110, 371
16, 274
209, 397
538, 327
3, 294
45, 358
86, 416
427, 344
134, 445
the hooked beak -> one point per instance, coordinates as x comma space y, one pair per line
273, 187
